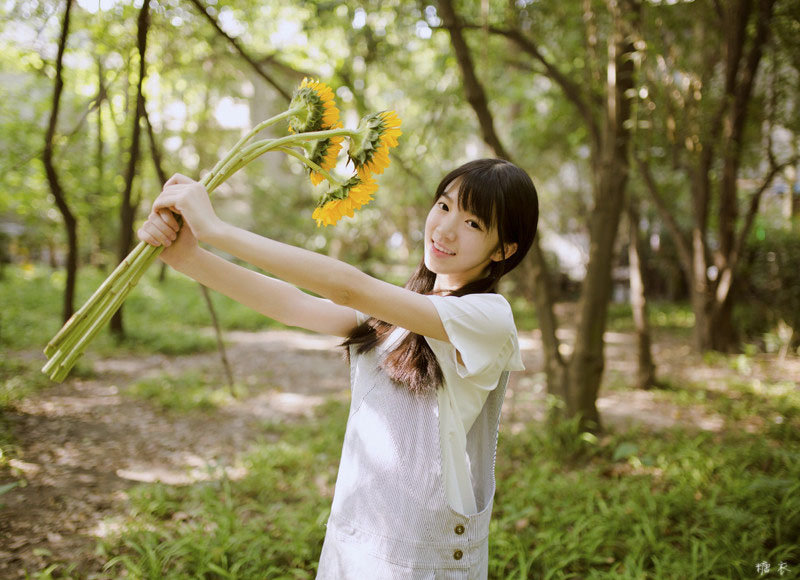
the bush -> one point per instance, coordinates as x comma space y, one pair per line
770, 285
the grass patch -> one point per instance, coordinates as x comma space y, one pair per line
268, 524
645, 506
524, 313
675, 317
159, 316
193, 391
19, 378
625, 505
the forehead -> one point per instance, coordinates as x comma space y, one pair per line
453, 193
452, 187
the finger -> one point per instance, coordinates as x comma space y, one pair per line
158, 223
166, 200
169, 218
145, 236
177, 179
154, 231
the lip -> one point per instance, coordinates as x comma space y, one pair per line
437, 252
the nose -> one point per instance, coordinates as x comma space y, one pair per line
446, 227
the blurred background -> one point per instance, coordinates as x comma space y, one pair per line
663, 138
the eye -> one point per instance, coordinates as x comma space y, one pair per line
443, 206
474, 224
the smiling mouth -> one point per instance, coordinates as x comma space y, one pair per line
442, 250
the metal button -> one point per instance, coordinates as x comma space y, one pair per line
459, 529
458, 554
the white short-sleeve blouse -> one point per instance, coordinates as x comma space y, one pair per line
482, 344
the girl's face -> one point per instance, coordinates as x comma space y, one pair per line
458, 246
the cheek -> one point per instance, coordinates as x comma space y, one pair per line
430, 223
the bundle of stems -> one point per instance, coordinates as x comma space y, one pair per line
71, 341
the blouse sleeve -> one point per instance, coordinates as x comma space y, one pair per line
480, 328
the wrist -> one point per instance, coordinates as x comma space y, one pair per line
217, 233
182, 260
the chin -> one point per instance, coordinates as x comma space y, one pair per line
429, 264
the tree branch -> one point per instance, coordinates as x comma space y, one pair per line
155, 151
238, 47
755, 200
128, 204
155, 155
57, 190
682, 244
571, 89
472, 86
542, 295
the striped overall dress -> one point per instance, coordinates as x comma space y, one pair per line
390, 518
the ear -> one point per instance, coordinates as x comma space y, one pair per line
498, 255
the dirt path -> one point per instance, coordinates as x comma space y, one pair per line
83, 444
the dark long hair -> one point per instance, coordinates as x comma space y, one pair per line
502, 196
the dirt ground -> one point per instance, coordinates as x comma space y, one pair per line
82, 444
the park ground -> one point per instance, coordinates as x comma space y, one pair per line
113, 472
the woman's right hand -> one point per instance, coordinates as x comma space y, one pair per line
163, 229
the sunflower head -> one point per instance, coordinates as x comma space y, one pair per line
324, 153
376, 134
315, 106
344, 200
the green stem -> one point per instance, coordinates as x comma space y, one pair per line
252, 133
77, 320
137, 262
71, 340
58, 354
258, 148
118, 297
333, 181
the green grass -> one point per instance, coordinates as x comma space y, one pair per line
675, 317
632, 504
268, 524
191, 391
159, 316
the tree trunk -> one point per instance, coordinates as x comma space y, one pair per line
746, 25
645, 367
96, 212
577, 382
128, 205
611, 167
70, 223
587, 362
541, 279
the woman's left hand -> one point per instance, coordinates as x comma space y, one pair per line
189, 198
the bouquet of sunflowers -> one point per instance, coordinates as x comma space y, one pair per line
315, 138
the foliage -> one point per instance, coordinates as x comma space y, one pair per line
771, 282
675, 317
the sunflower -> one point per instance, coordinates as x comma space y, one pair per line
369, 148
324, 153
316, 109
344, 200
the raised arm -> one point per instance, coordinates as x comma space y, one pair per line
346, 286
342, 283
268, 296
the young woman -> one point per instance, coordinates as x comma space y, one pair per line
429, 364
